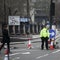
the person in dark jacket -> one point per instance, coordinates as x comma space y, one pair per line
6, 38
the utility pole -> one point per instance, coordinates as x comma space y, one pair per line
28, 15
4, 21
27, 8
9, 8
52, 12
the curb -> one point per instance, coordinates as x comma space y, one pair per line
32, 41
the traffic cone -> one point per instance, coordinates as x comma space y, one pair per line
6, 54
51, 45
29, 44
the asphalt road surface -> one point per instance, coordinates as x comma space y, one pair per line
21, 52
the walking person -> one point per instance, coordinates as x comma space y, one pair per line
44, 35
6, 38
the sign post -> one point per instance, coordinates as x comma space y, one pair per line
52, 33
14, 20
52, 38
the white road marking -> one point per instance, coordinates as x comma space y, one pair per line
42, 56
30, 53
23, 50
47, 54
17, 58
18, 50
56, 51
26, 53
14, 54
19, 53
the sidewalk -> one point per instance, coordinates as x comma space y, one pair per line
34, 37
26, 37
23, 38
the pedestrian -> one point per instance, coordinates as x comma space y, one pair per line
44, 35
6, 38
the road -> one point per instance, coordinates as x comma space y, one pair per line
35, 54
21, 52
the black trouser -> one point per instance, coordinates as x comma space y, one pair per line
44, 39
8, 46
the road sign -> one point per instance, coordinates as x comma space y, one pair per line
24, 19
14, 20
52, 33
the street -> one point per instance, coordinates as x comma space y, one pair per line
23, 53
35, 54
20, 51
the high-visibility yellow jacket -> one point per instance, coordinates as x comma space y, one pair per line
44, 33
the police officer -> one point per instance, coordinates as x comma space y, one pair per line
44, 35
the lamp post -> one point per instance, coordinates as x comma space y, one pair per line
4, 21
9, 8
27, 8
28, 15
52, 12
